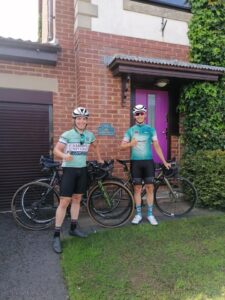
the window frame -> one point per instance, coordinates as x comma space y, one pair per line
170, 5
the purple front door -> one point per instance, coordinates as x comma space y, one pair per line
156, 103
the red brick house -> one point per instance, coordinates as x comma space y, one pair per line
101, 54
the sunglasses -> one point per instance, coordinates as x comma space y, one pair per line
139, 114
82, 138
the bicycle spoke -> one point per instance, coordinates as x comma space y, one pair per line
175, 197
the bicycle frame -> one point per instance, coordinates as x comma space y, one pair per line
106, 196
159, 178
103, 200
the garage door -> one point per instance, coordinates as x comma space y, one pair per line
24, 137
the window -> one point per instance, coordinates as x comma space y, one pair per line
151, 110
182, 4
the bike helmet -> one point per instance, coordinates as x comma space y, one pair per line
139, 108
80, 112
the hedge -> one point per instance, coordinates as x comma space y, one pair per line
206, 170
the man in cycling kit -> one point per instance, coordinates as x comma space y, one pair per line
72, 148
139, 138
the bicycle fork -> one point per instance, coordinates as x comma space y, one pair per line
105, 194
170, 188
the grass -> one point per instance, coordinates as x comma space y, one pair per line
178, 260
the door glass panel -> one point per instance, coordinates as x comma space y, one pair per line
151, 110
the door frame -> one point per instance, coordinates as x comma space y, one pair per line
160, 121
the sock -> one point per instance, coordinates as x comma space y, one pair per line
57, 232
149, 211
138, 210
73, 224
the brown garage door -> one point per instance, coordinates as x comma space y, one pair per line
24, 137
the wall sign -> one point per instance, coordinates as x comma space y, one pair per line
106, 129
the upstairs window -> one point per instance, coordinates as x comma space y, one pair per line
179, 4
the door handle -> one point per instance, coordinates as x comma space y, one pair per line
165, 131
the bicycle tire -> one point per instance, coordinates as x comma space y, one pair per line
121, 206
178, 203
34, 204
44, 179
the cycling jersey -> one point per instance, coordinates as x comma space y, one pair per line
77, 145
144, 135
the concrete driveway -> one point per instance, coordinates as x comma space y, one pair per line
29, 269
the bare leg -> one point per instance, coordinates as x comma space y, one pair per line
137, 194
137, 198
75, 206
61, 210
75, 209
149, 192
150, 217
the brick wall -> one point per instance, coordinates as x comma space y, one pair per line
101, 92
84, 79
175, 147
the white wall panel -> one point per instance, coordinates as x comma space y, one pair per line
113, 19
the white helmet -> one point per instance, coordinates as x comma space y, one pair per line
80, 112
139, 108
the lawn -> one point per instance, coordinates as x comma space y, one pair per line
178, 260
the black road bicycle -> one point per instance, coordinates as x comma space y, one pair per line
109, 203
174, 196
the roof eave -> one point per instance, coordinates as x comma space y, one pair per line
120, 66
26, 51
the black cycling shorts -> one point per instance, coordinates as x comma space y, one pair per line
74, 181
142, 171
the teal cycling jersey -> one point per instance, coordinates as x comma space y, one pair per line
77, 145
144, 135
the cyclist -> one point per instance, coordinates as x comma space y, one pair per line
139, 138
72, 148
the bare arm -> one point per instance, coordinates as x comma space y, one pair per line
59, 152
124, 145
160, 154
97, 152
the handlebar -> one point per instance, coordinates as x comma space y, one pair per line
98, 171
172, 171
48, 163
94, 167
158, 167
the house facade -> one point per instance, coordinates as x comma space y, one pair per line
101, 54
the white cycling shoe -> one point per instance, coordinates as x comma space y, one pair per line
136, 220
152, 220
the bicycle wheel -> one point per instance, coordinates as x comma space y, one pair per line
34, 205
176, 198
111, 204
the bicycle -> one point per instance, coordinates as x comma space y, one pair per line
109, 203
174, 196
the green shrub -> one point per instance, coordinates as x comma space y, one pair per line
207, 32
202, 104
206, 169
